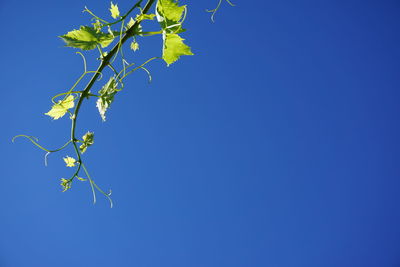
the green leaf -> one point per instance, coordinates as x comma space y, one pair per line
107, 93
169, 15
114, 11
88, 140
130, 23
69, 161
174, 48
81, 179
139, 18
59, 109
145, 17
66, 184
169, 10
86, 38
97, 26
135, 46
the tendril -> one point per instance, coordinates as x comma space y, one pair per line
96, 17
35, 141
45, 158
94, 185
148, 73
214, 11
84, 61
116, 76
139, 67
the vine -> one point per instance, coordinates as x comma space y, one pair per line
100, 35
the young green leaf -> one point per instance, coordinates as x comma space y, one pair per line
134, 46
69, 161
97, 26
145, 17
65, 184
86, 38
169, 10
59, 109
114, 11
107, 93
130, 23
169, 15
174, 48
88, 140
139, 18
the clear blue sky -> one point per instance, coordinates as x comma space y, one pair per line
276, 145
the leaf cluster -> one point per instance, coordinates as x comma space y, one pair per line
99, 35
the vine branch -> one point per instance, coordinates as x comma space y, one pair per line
170, 17
104, 62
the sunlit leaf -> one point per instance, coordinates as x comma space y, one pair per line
107, 93
86, 38
59, 109
130, 23
65, 184
114, 11
174, 48
97, 26
169, 10
145, 17
88, 140
69, 161
134, 46
169, 15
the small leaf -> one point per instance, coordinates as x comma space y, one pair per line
88, 140
107, 93
66, 184
134, 46
97, 26
130, 23
69, 161
145, 17
174, 48
87, 38
169, 9
81, 179
114, 11
60, 109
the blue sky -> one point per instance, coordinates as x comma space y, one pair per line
276, 145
